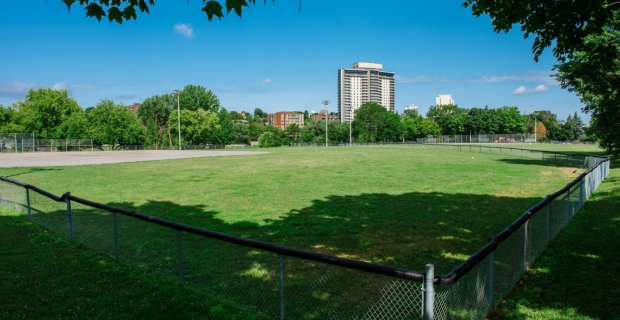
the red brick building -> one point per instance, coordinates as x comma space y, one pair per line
283, 119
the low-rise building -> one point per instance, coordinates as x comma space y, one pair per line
283, 119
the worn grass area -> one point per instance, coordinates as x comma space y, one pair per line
393, 205
44, 276
578, 275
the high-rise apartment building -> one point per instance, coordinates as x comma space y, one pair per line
443, 100
365, 82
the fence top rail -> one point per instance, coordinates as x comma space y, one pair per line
278, 249
509, 147
444, 280
462, 269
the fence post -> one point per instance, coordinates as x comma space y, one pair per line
115, 238
15, 146
491, 276
580, 193
281, 267
567, 205
69, 218
28, 203
180, 249
526, 247
549, 222
429, 292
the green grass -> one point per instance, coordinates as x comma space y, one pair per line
399, 206
577, 276
392, 205
44, 276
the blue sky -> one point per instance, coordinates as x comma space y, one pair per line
275, 58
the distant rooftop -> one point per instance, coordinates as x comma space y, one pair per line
368, 65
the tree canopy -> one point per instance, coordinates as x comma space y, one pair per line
125, 10
586, 42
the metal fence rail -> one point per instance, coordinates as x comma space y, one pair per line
281, 282
16, 142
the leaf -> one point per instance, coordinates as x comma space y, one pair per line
129, 12
143, 6
114, 13
213, 8
95, 10
116, 3
237, 5
68, 3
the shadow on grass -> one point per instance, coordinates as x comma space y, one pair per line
32, 170
406, 230
577, 277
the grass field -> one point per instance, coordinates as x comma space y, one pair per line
392, 205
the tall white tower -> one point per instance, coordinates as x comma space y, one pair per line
365, 82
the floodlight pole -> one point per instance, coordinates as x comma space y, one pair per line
350, 120
178, 92
325, 103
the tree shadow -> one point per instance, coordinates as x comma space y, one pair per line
405, 230
32, 170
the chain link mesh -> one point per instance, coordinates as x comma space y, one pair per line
251, 279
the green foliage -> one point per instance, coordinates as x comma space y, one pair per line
427, 128
9, 120
585, 38
125, 10
76, 126
510, 120
114, 124
197, 127
410, 113
242, 133
154, 113
373, 122
269, 139
44, 110
194, 97
226, 132
292, 132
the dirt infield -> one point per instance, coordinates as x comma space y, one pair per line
57, 159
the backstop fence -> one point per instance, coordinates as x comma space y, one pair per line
16, 142
281, 282
481, 138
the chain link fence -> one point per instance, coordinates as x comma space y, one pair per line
481, 138
280, 282
16, 142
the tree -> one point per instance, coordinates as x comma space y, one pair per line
429, 128
259, 115
242, 133
292, 132
411, 127
125, 10
578, 131
197, 127
226, 132
154, 113
269, 139
373, 122
114, 124
9, 120
76, 126
410, 113
44, 110
194, 97
585, 38
510, 120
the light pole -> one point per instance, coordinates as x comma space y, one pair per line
350, 120
178, 92
325, 103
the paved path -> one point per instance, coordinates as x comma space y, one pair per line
55, 159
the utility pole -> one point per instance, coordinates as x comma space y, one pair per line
535, 129
325, 103
178, 92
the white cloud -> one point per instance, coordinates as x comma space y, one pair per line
15, 88
541, 88
185, 29
268, 80
520, 90
59, 86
